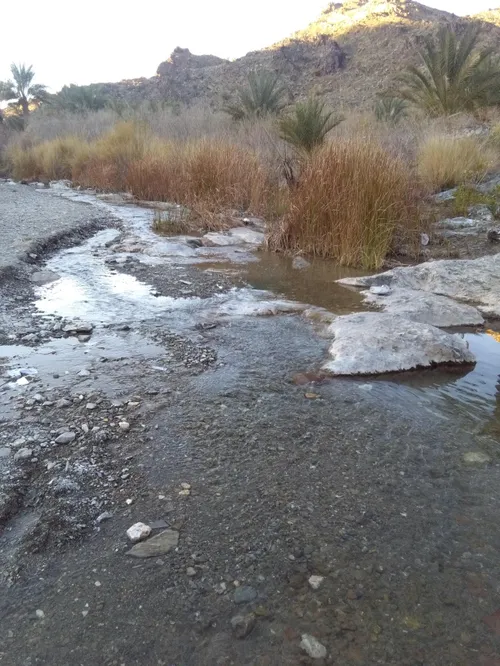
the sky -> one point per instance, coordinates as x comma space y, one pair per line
110, 40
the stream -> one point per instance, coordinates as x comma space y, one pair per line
148, 379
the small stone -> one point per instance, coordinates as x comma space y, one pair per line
23, 454
155, 546
5, 451
83, 338
39, 613
63, 402
186, 486
106, 515
312, 647
138, 532
91, 405
78, 327
191, 571
63, 485
129, 501
185, 493
494, 235
38, 397
311, 396
242, 625
124, 425
83, 373
299, 263
244, 594
85, 428
65, 438
476, 458
380, 290
315, 581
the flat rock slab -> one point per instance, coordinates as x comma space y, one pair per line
236, 236
370, 343
475, 281
155, 546
426, 308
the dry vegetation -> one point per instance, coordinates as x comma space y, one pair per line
355, 199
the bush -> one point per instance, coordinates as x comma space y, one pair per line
455, 76
352, 200
467, 196
263, 95
445, 161
390, 109
307, 128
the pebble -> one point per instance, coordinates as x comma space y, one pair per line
191, 571
476, 458
312, 647
106, 515
39, 613
83, 373
65, 438
5, 451
242, 625
316, 581
244, 594
63, 402
380, 290
23, 454
91, 405
83, 338
155, 546
138, 532
186, 486
124, 425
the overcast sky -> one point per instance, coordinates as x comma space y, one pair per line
109, 40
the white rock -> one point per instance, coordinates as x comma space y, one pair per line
315, 581
476, 458
65, 438
474, 281
91, 405
312, 647
382, 290
138, 532
369, 343
423, 307
237, 236
124, 425
83, 373
23, 454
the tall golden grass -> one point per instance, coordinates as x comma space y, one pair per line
352, 200
445, 161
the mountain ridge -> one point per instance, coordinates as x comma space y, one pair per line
347, 56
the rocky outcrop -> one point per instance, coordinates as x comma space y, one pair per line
182, 60
369, 343
425, 308
473, 281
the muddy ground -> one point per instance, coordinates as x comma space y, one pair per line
201, 424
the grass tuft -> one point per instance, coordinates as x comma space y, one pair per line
446, 161
352, 201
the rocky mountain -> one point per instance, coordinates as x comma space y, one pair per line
347, 56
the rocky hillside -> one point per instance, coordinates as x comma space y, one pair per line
348, 55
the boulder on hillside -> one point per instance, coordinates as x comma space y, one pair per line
182, 59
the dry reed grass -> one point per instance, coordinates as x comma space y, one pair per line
351, 201
446, 161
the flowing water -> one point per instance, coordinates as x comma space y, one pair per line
90, 288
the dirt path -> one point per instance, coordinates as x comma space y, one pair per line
194, 423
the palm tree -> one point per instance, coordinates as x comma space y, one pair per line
454, 74
22, 89
263, 95
308, 126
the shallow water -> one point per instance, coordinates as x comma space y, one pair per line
91, 289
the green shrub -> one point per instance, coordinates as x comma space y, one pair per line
263, 95
307, 128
